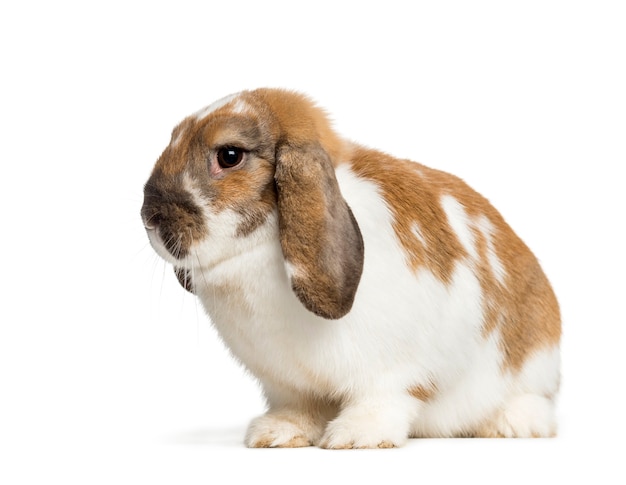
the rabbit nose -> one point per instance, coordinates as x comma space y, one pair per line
150, 222
151, 218
153, 222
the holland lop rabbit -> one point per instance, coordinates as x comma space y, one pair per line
375, 299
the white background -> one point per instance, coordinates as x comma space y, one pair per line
109, 371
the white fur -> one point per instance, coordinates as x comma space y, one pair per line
541, 373
526, 416
369, 359
203, 113
461, 223
240, 106
484, 225
464, 226
159, 247
292, 270
176, 141
417, 232
275, 431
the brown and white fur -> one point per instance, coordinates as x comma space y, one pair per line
375, 299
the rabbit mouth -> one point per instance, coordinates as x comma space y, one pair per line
169, 248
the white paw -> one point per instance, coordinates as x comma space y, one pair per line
354, 433
527, 416
271, 431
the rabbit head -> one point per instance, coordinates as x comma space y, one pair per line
251, 167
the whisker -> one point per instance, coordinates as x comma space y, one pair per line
179, 246
206, 283
194, 286
136, 254
168, 242
162, 282
151, 217
155, 263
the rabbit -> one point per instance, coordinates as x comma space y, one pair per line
373, 298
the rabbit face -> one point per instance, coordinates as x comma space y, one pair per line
252, 168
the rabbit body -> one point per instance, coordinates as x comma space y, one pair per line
375, 299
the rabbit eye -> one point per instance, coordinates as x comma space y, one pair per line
228, 157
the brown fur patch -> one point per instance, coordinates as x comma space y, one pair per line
174, 158
297, 120
257, 211
249, 191
532, 320
523, 309
226, 129
423, 393
414, 202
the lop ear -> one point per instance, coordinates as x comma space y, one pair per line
320, 237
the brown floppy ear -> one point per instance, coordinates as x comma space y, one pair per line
320, 238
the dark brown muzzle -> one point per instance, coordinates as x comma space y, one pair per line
173, 215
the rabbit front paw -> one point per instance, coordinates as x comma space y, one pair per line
284, 430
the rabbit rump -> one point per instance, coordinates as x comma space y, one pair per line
375, 299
